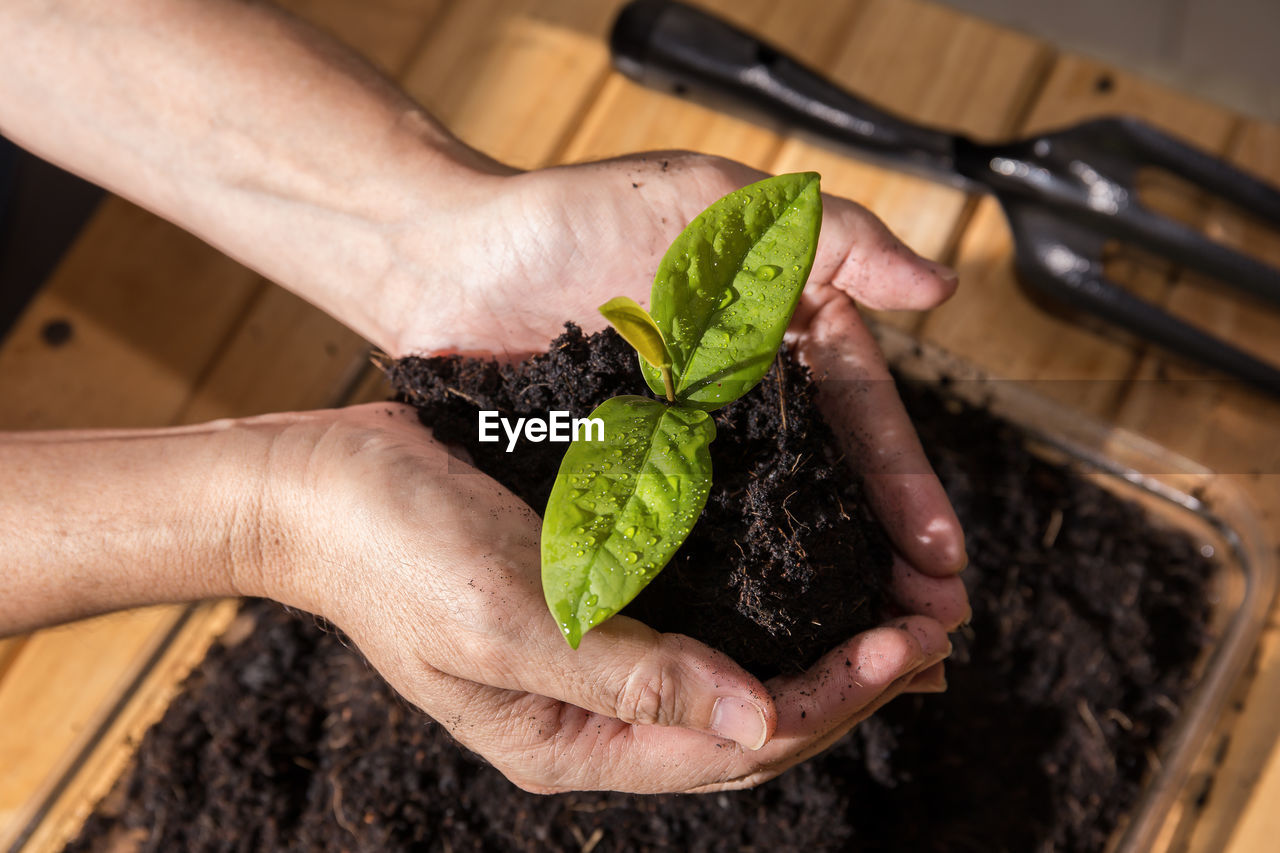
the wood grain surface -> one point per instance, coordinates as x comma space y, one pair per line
166, 330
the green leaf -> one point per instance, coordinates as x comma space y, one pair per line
726, 289
638, 329
621, 507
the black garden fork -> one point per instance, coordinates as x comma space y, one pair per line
1066, 193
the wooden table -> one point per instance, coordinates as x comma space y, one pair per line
168, 331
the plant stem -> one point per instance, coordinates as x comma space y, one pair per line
668, 384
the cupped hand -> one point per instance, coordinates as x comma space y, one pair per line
551, 245
523, 253
432, 568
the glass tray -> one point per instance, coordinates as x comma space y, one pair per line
1176, 492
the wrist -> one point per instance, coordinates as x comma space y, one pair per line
315, 514
93, 521
351, 498
423, 294
265, 501
380, 239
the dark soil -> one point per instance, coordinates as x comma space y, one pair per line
1078, 656
786, 560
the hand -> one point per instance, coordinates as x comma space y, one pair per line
559, 242
433, 570
532, 250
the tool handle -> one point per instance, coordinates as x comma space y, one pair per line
672, 46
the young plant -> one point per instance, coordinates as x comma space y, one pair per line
721, 301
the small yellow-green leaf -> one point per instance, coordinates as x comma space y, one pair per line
638, 329
621, 507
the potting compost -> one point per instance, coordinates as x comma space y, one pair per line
1087, 622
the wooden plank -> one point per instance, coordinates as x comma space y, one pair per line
1232, 431
511, 77
933, 66
9, 647
287, 355
95, 777
147, 307
993, 321
86, 666
1240, 815
371, 387
386, 32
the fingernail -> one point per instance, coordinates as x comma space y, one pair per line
942, 271
931, 681
738, 720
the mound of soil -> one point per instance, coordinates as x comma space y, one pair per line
1087, 620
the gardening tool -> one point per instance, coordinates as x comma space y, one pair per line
1066, 193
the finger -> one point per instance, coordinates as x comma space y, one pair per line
821, 705
844, 688
858, 398
942, 598
547, 746
833, 693
863, 258
930, 680
623, 670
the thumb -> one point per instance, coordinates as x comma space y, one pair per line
860, 256
626, 670
674, 680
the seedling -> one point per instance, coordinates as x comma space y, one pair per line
722, 298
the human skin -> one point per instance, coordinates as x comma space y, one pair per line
278, 146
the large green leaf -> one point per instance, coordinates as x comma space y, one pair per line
726, 289
621, 507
